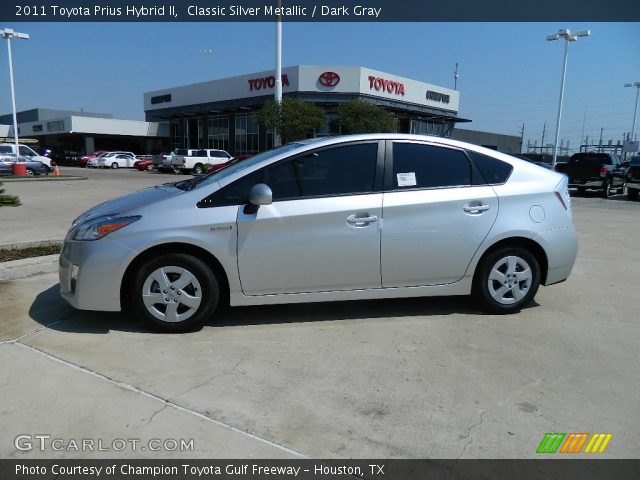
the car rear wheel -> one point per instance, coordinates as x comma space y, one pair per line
506, 280
606, 189
149, 168
197, 169
174, 293
114, 165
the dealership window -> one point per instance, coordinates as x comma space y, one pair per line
427, 166
425, 127
218, 134
341, 170
201, 137
175, 134
247, 135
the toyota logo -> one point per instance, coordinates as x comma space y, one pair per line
329, 79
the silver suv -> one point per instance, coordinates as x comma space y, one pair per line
342, 218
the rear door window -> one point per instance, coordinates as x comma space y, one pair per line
418, 165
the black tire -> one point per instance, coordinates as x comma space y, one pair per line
632, 194
581, 190
203, 293
30, 173
149, 168
114, 165
606, 189
176, 170
197, 169
499, 271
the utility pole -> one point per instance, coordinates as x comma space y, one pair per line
600, 143
522, 139
544, 129
455, 78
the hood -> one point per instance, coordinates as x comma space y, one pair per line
130, 202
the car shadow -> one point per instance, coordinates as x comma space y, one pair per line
80, 321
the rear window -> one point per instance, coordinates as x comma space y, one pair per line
590, 159
6, 149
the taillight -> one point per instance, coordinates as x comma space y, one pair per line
562, 193
603, 171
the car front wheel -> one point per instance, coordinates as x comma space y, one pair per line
114, 165
174, 293
506, 280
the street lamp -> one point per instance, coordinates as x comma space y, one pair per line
568, 37
8, 34
278, 93
635, 110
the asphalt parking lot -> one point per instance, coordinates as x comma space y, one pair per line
416, 378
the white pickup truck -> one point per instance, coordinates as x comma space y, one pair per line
194, 162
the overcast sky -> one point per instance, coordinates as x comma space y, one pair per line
509, 73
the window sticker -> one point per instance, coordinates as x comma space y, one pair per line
407, 179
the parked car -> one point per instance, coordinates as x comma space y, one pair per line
86, 158
168, 164
116, 160
34, 167
25, 151
195, 162
144, 165
591, 170
302, 223
220, 166
633, 178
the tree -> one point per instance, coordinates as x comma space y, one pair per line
358, 116
294, 119
8, 200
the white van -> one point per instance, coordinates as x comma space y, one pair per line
24, 151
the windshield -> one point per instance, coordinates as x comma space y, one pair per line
249, 162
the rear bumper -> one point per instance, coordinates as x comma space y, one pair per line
561, 246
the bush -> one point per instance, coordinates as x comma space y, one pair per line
8, 200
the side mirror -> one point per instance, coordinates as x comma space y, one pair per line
260, 194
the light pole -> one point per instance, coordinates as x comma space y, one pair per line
635, 110
568, 37
278, 94
8, 34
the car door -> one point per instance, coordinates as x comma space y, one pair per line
434, 216
322, 231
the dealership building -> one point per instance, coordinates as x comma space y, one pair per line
222, 113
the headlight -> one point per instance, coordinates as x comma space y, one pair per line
101, 226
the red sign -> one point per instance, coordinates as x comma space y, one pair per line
329, 79
267, 82
389, 86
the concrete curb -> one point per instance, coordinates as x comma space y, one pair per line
32, 244
48, 178
28, 267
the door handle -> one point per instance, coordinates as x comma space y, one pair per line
476, 207
361, 221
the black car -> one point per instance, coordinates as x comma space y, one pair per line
633, 178
34, 167
594, 170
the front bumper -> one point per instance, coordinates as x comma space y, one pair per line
633, 185
100, 267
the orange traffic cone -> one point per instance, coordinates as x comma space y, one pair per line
56, 172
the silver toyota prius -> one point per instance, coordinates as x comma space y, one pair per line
342, 218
